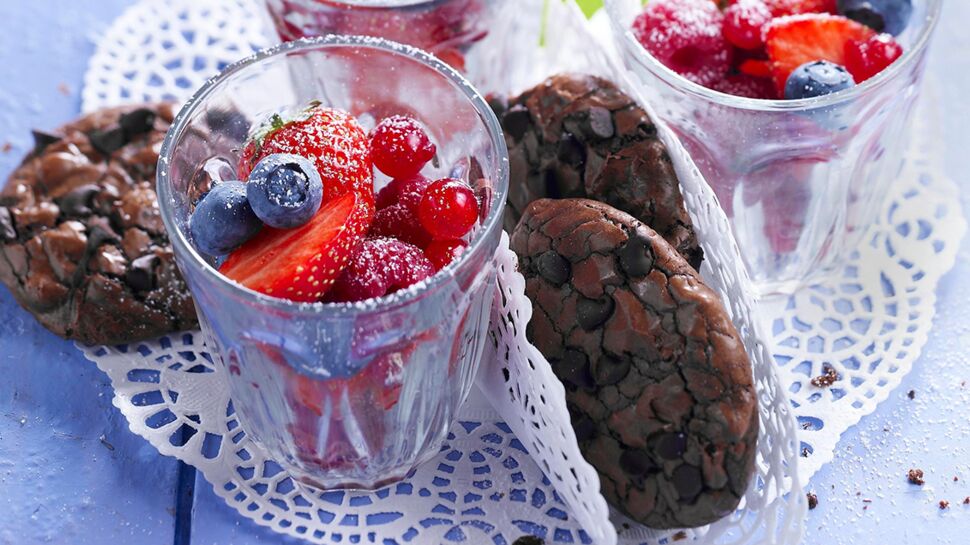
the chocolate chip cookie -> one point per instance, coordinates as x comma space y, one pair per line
82, 245
658, 384
580, 136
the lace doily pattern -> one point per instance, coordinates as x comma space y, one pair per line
166, 50
483, 487
844, 344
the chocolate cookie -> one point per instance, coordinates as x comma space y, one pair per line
658, 384
82, 245
580, 136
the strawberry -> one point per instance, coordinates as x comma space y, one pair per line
798, 39
301, 264
332, 139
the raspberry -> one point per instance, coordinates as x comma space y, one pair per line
743, 85
400, 222
866, 58
743, 22
378, 267
392, 193
400, 146
442, 252
685, 35
448, 209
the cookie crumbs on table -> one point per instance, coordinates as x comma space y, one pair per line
812, 500
966, 501
944, 505
911, 394
679, 536
915, 476
828, 377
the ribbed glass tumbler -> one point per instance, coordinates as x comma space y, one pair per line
343, 395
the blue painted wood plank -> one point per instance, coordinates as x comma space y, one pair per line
70, 470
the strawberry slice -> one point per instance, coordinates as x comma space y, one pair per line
333, 139
301, 264
795, 40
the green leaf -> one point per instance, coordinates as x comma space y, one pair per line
590, 7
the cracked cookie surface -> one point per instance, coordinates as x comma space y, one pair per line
580, 136
658, 384
82, 245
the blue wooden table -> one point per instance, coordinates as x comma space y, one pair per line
71, 472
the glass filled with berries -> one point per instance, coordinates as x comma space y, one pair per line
448, 28
337, 229
797, 112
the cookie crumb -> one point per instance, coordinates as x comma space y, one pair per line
812, 500
944, 504
6, 147
915, 476
966, 501
955, 478
911, 394
680, 536
828, 377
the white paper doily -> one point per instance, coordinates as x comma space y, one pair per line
172, 394
869, 325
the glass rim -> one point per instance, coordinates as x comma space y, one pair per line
681, 83
388, 302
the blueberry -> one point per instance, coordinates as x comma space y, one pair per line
223, 219
285, 190
882, 15
814, 79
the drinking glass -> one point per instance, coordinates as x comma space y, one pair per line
800, 180
447, 28
342, 395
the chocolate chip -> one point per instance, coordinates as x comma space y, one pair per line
687, 480
601, 122
100, 232
141, 276
592, 313
554, 268
77, 202
637, 463
573, 368
137, 122
571, 151
43, 139
108, 141
607, 371
516, 121
7, 232
671, 446
584, 427
636, 257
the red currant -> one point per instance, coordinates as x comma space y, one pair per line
743, 21
442, 252
448, 209
400, 146
865, 59
407, 189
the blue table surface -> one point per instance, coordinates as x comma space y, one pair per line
71, 472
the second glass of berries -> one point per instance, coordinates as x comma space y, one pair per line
796, 112
337, 229
449, 29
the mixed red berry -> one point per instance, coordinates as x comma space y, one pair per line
774, 49
306, 224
